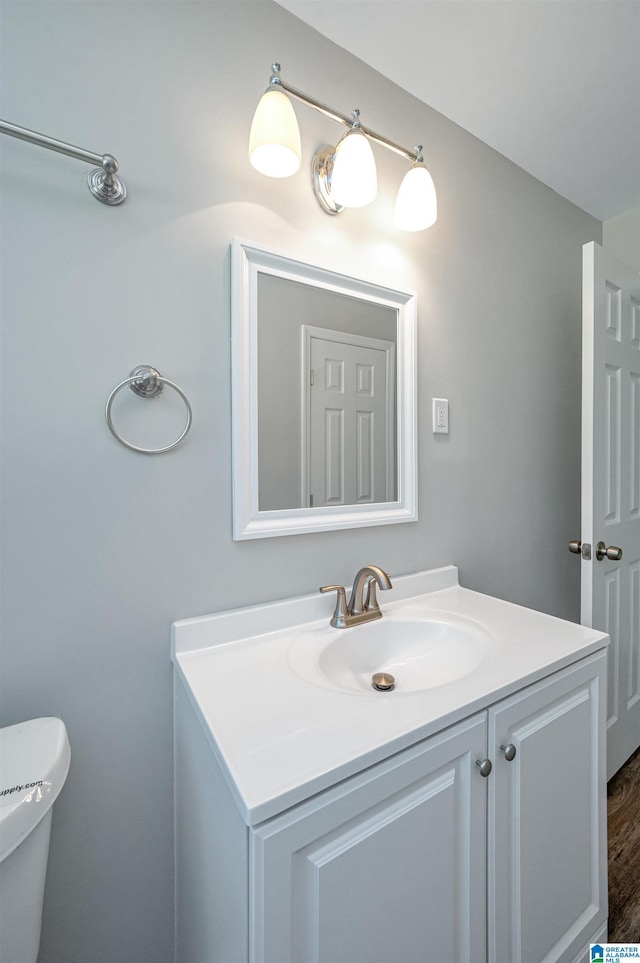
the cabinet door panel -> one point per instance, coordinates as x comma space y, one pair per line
547, 829
382, 869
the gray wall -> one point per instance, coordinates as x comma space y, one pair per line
104, 548
621, 236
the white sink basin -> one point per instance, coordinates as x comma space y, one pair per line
420, 653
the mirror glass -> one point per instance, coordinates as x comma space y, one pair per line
323, 398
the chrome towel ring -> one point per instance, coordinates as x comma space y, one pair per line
146, 382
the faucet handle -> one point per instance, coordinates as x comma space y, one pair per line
339, 617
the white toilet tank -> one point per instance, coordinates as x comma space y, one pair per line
34, 762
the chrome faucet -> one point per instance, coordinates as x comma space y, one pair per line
363, 604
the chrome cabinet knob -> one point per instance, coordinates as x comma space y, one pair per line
485, 766
509, 751
613, 553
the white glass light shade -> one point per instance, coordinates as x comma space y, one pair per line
274, 141
416, 203
354, 181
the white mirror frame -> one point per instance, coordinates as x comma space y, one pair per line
248, 261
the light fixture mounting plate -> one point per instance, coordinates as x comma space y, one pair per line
321, 168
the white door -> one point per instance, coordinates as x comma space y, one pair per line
610, 585
349, 419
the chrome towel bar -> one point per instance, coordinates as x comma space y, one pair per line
104, 183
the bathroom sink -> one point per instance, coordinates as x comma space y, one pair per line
420, 653
286, 700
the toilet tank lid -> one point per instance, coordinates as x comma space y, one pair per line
34, 762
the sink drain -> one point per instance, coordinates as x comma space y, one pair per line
383, 681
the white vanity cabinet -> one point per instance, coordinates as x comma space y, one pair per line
547, 870
419, 857
389, 867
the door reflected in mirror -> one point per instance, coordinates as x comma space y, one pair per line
326, 397
323, 398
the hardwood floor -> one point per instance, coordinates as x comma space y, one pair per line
623, 819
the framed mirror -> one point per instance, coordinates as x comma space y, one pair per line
324, 398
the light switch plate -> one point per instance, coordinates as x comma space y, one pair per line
440, 411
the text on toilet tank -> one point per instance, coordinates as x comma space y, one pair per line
27, 785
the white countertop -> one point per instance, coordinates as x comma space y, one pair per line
280, 738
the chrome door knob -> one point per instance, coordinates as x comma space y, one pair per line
613, 553
581, 548
485, 766
509, 751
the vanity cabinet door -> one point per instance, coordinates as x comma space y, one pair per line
547, 817
387, 867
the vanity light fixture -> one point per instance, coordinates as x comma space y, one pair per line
274, 141
344, 175
103, 182
416, 204
354, 180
